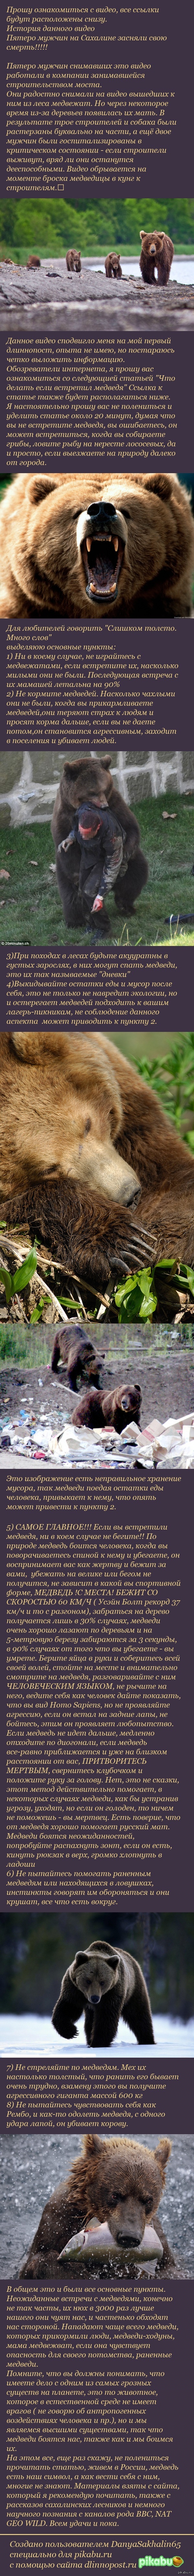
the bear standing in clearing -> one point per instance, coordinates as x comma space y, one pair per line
103, 1983
156, 252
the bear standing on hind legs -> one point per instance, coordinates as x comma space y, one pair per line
103, 1983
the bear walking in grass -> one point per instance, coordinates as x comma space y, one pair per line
115, 2180
156, 252
103, 1982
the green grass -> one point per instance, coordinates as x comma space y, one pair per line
48, 227
30, 904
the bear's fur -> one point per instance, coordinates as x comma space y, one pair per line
82, 1139
104, 1983
94, 1410
72, 1346
84, 778
84, 545
156, 252
73, 261
113, 264
114, 2178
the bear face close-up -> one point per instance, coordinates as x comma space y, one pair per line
83, 1141
156, 257
92, 546
116, 2179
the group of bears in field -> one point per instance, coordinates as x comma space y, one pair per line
88, 1159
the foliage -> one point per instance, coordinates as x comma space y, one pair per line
14, 1282
30, 903
49, 225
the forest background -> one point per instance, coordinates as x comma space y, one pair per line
49, 225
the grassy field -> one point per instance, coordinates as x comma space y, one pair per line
48, 226
29, 900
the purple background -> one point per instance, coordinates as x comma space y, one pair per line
174, 2400
165, 1502
175, 362
97, 988
171, 68
172, 2109
152, 645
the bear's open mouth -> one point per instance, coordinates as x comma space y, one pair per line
102, 550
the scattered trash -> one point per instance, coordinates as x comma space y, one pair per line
169, 1444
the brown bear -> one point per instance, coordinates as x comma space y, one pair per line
73, 261
157, 252
87, 777
84, 545
113, 264
33, 262
103, 1983
83, 1139
94, 1410
114, 2179
72, 1346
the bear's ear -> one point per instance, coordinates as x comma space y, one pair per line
141, 236
79, 1956
92, 2146
161, 484
162, 2152
41, 485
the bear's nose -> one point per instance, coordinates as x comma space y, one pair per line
101, 515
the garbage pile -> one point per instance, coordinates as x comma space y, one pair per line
32, 1442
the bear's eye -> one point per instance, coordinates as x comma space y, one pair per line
87, 1126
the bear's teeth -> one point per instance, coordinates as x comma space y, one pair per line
115, 544
88, 543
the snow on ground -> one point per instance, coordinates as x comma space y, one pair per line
32, 2035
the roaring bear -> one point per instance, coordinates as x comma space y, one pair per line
113, 264
84, 545
87, 779
116, 2179
83, 1139
104, 1983
157, 252
73, 261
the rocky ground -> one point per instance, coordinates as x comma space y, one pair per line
31, 296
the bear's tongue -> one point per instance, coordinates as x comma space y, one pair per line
102, 568
101, 565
